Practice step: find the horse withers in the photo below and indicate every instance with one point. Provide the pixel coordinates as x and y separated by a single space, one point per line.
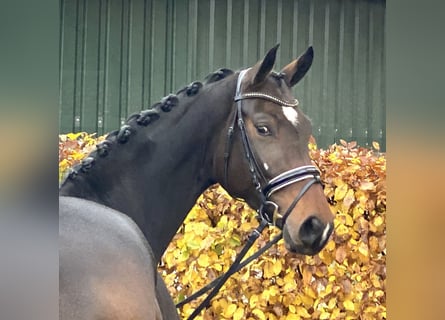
121 206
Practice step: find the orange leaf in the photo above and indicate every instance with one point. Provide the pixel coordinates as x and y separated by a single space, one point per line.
340 254
348 200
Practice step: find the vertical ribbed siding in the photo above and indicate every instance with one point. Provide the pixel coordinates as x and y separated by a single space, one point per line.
120 56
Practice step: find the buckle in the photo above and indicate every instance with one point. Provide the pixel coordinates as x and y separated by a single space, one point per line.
269 212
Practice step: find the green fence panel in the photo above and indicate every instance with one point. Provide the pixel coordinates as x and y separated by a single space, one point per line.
121 56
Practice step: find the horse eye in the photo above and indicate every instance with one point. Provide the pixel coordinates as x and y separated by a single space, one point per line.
263 130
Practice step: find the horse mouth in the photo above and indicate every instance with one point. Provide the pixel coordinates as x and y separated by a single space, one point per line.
309 250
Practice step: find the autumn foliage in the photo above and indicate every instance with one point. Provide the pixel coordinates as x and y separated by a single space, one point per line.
346 280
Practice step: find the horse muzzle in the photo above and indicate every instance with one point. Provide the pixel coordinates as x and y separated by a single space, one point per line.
308 236
311 237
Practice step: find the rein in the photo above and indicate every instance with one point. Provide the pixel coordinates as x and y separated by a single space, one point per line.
268 213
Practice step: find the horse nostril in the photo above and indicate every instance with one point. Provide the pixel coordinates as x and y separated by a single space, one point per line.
311 230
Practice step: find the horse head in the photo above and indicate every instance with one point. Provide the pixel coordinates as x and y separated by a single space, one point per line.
266 156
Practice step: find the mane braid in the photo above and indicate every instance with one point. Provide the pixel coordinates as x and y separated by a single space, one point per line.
111 134
133 116
142 118
218 75
190 90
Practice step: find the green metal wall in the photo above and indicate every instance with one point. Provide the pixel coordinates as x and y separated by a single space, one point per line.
120 56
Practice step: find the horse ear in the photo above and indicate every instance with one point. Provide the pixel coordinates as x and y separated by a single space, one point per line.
296 70
264 67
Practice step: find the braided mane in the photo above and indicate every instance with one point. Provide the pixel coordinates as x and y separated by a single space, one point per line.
143 118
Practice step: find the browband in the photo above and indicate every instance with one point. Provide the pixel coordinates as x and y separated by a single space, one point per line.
260 95
253 95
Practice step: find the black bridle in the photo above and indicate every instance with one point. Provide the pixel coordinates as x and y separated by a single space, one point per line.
268 210
268 213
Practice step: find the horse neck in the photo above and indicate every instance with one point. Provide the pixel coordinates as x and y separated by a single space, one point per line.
156 177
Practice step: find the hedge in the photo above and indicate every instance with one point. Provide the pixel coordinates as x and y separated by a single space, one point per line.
346 280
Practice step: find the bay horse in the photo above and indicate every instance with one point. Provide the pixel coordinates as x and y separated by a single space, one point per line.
121 206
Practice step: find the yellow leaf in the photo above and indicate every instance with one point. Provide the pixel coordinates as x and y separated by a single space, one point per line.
333 157
326 256
268 270
270 292
310 292
379 293
307 300
74 136
253 301
340 191
290 286
238 314
222 223
229 310
302 312
335 314
375 280
203 260
324 292
324 315
363 249
277 267
211 206
330 246
78 156
342 230
378 221
376 145
184 255
349 305
259 314
217 266
332 302
292 316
